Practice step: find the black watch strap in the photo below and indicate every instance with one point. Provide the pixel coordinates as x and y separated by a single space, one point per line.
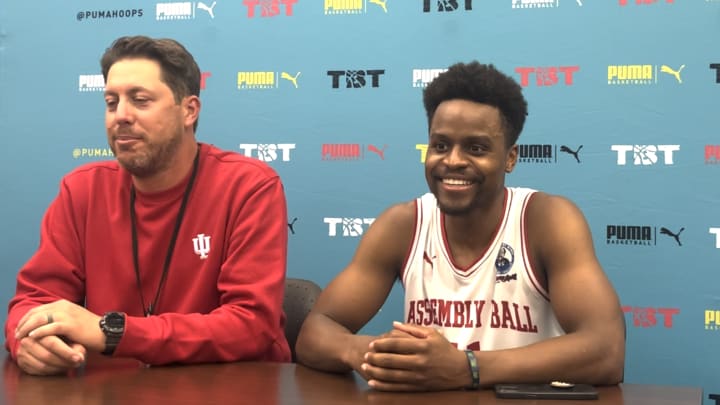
112 325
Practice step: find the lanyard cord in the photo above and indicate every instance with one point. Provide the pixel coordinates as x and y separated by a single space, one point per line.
149 310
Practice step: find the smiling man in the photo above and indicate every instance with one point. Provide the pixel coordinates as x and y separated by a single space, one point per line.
173 253
502 284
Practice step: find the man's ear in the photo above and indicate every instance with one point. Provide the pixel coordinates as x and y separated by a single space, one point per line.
512 156
191 109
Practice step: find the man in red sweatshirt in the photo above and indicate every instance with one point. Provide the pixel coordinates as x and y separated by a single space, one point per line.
173 253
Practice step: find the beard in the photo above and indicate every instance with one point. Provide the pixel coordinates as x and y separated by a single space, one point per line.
455 208
453 204
150 157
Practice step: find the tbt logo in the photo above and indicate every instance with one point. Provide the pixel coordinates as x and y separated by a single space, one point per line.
646 317
350 151
268 152
546 76
447 5
269 8
536 3
91 83
712 319
645 155
355 79
422 77
344 7
350 227
265 80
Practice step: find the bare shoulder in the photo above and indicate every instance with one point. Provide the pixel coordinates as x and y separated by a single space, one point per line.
395 222
400 216
389 237
548 210
558 233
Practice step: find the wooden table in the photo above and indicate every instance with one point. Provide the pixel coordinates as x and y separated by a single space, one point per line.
106 381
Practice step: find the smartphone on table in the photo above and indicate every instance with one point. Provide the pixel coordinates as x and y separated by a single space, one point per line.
554 390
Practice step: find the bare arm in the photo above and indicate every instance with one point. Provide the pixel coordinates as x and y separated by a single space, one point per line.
584 302
327 340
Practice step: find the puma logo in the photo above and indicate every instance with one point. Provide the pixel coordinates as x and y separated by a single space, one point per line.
293 79
667 69
380 152
203 6
668 232
566 149
380 3
291 224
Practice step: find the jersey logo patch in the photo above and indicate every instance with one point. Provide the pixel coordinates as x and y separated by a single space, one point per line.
504 260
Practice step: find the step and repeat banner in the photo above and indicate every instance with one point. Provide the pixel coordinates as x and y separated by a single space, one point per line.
622 98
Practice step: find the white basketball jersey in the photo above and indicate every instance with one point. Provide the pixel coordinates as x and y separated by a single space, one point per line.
496 303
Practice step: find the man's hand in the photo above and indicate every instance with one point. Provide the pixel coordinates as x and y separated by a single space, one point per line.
414 358
49 355
66 321
358 351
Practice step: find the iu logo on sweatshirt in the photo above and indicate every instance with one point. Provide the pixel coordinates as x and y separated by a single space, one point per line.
201 243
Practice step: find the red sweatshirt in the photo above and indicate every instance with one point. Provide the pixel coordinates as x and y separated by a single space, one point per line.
226 306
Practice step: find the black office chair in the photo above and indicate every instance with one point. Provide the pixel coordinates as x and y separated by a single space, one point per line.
300 296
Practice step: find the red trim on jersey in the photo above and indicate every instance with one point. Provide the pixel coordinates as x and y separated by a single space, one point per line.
493 241
529 269
427 258
411 249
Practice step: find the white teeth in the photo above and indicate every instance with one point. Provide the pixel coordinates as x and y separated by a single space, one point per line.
456 182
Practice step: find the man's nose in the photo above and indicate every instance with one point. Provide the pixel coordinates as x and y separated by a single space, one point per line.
123 112
455 157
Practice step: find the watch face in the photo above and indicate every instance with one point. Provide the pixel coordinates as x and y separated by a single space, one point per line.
114 322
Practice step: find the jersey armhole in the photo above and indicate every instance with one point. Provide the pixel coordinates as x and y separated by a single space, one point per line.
412 248
532 273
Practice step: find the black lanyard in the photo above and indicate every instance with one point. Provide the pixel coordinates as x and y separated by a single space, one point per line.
149 310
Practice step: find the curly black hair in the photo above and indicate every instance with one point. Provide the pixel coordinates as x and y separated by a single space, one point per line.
481 83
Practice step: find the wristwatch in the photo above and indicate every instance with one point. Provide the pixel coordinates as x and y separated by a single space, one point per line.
112 325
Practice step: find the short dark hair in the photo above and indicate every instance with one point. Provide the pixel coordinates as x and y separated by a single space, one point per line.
481 83
177 66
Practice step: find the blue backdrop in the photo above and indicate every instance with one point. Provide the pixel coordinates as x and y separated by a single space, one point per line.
621 96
